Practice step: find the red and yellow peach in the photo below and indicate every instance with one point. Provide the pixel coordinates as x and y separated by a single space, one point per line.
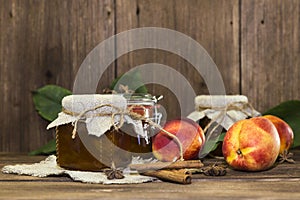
190 135
251 144
285 132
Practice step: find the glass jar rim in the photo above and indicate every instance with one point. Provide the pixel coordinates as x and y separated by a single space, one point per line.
139 97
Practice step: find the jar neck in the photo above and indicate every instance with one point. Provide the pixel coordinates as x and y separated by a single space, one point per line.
139 99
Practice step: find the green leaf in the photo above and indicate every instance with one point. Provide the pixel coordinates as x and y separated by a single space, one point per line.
221 137
47 100
133 80
219 140
289 111
212 144
48 149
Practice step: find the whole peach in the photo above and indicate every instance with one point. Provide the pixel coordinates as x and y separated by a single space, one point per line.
189 133
285 132
251 144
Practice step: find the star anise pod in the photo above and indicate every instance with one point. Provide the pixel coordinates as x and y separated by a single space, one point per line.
215 170
286 157
114 174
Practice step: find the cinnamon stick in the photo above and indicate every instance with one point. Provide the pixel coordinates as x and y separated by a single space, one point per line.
167 165
178 176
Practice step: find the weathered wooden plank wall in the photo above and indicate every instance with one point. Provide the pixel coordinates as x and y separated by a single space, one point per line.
43 42
214 24
255 44
270 50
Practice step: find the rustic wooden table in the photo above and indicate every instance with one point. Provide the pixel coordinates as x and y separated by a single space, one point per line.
281 182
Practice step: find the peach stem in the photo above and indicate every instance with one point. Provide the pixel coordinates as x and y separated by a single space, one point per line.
239 152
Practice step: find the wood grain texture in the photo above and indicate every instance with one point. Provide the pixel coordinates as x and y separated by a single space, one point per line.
214 24
203 189
281 182
270 52
255 45
43 42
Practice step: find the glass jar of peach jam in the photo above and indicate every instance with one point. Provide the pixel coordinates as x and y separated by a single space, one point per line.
116 146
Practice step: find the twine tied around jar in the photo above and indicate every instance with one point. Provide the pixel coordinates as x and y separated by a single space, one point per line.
121 113
237 106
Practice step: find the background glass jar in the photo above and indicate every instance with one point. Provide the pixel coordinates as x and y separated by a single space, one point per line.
146 106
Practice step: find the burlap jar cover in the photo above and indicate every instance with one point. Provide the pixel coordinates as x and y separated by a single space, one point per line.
97 121
225 110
